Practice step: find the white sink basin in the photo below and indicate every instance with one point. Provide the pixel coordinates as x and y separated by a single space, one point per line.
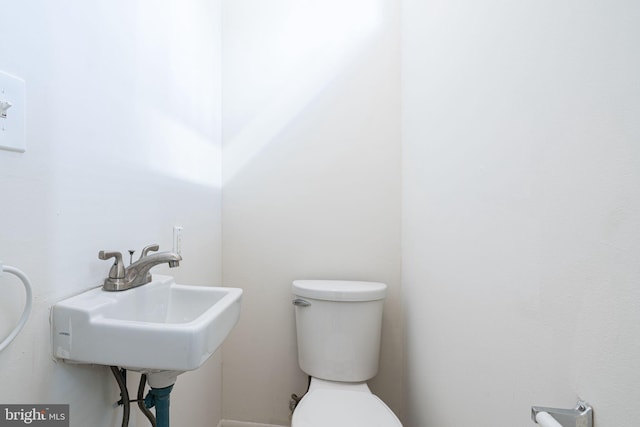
160 326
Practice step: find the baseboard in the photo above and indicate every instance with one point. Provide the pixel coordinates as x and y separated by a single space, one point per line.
232 423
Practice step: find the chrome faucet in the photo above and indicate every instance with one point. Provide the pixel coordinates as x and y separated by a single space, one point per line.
137 274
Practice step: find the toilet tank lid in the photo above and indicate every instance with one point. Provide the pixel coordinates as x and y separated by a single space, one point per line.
339 290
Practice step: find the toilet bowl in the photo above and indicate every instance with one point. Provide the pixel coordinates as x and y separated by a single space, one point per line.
338 331
333 404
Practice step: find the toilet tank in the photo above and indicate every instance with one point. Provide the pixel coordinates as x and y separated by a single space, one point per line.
338 327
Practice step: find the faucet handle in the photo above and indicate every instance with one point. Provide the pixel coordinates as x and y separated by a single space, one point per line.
117 269
154 247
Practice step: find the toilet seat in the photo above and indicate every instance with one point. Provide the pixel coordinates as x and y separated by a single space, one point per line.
343 408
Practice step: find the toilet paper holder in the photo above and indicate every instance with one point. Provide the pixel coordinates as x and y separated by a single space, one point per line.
580 416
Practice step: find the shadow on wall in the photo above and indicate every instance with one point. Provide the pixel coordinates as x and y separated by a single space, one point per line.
295 64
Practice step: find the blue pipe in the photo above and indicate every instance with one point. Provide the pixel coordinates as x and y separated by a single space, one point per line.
159 397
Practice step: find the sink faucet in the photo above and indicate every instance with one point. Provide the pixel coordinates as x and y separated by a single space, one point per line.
137 274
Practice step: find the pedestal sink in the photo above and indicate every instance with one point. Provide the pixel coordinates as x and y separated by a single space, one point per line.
161 328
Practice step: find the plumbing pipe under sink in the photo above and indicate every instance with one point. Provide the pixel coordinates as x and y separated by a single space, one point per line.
159 398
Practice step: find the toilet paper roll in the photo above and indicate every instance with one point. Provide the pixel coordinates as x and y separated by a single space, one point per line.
546 420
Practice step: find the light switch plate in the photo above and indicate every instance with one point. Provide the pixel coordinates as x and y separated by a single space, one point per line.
12 127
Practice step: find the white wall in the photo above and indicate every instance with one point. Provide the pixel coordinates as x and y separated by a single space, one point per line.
123 142
521 233
521 213
311 181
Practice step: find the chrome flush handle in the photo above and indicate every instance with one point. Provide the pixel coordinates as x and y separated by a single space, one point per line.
301 302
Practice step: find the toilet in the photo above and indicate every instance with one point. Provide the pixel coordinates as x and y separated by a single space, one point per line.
338 331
